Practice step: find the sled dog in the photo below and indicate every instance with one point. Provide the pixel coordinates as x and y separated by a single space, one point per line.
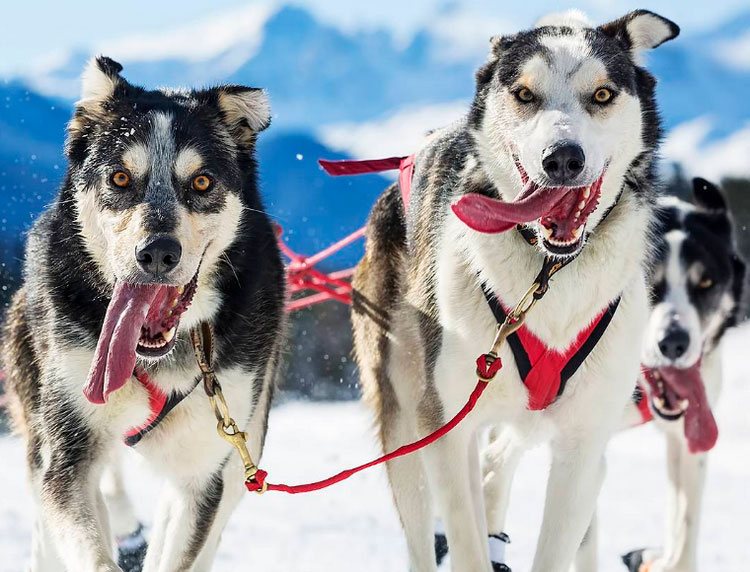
158 227
555 160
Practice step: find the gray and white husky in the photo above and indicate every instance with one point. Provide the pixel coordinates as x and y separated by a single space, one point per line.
564 129
158 226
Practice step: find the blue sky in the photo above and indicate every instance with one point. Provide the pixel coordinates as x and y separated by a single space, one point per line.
29 30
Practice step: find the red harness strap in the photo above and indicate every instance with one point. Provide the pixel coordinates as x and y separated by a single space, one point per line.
546 371
640 398
486 370
159 405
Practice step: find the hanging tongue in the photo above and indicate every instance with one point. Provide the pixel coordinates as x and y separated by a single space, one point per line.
114 359
701 431
485 214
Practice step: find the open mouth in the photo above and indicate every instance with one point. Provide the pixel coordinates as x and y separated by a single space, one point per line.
666 402
562 228
141 320
680 392
157 337
561 212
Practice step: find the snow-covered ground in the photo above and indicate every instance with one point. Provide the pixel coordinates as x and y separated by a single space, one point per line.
353 526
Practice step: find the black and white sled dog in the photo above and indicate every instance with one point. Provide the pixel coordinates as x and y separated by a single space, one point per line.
696 284
158 226
564 121
697 293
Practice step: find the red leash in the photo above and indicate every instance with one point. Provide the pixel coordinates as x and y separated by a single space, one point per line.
486 370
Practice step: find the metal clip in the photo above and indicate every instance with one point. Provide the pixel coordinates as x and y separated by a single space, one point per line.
515 318
230 432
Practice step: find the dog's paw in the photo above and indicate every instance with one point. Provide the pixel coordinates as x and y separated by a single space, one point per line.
131 550
441 547
645 560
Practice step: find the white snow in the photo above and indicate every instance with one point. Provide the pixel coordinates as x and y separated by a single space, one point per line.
353 526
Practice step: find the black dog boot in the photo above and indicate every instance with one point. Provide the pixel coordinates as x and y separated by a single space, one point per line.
441 547
634 560
131 550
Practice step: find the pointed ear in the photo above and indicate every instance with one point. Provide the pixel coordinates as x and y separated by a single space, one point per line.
99 81
708 197
641 30
246 111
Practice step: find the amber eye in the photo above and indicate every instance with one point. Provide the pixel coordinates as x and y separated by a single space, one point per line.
602 95
120 179
202 183
525 95
705 283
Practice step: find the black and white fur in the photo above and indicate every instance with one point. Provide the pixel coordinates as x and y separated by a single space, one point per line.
421 320
76 250
696 282
697 287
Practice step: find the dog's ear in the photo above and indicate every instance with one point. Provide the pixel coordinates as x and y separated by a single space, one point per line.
498 44
245 110
641 30
99 81
708 197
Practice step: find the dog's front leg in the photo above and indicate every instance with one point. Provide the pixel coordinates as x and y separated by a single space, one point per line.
686 473
575 479
71 503
191 516
453 470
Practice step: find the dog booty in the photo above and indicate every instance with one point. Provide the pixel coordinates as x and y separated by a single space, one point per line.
441 547
636 561
131 550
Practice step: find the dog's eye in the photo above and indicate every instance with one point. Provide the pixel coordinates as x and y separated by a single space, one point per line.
525 95
602 95
120 179
202 183
705 283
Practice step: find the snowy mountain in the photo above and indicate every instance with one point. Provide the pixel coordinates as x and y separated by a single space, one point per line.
358 93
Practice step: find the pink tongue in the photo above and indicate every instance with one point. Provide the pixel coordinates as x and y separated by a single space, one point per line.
115 353
701 431
485 214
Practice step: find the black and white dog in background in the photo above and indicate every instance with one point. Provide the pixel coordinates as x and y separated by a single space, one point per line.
564 129
696 283
697 289
158 226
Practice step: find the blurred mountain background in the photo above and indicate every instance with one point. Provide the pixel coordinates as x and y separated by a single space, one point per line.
350 91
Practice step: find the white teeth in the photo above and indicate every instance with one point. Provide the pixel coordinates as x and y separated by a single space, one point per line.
587 193
660 403
170 334
180 290
683 404
175 302
581 205
547 232
577 232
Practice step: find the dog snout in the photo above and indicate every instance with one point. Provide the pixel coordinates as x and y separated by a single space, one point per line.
159 255
674 343
564 162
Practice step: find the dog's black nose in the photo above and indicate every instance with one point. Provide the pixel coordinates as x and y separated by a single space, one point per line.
564 163
159 255
675 342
